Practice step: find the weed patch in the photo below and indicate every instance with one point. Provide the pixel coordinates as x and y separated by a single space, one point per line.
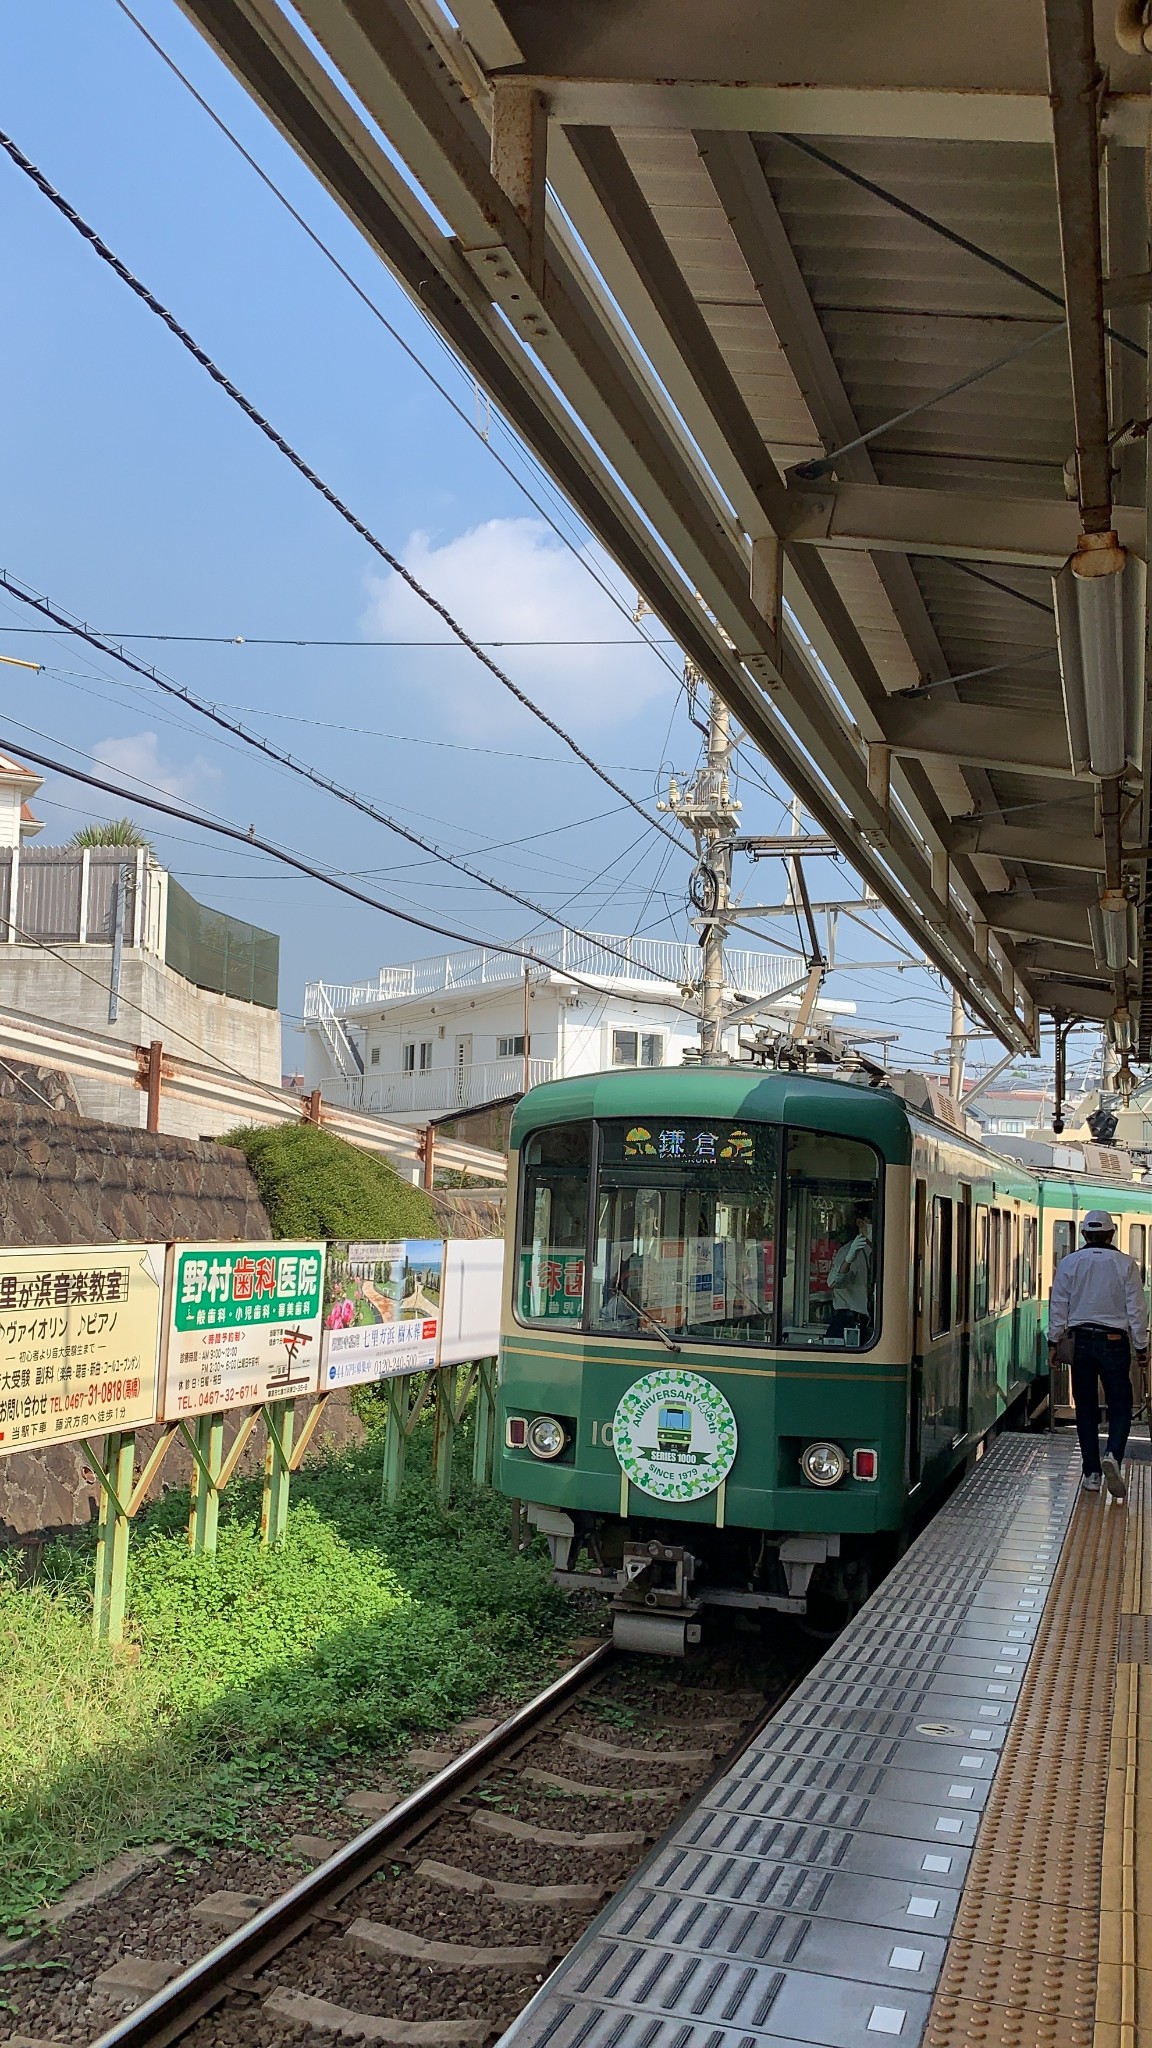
245 1673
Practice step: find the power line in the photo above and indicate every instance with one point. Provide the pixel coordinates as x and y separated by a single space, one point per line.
264 746
304 640
414 357
310 476
225 830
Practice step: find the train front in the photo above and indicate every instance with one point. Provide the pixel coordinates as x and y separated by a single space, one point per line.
703 1380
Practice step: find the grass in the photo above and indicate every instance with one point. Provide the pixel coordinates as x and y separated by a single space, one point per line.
366 1624
315 1185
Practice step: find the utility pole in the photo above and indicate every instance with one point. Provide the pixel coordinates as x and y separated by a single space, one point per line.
956 1049
707 808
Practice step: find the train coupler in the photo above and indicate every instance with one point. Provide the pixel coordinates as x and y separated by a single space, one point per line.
654 1610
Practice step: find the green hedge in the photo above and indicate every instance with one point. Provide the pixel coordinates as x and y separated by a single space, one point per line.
315 1185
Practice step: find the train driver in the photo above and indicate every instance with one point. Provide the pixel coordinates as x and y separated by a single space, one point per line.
850 1279
1098 1300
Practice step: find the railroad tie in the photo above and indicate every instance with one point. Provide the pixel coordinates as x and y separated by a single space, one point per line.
228 1909
375 1938
589 1745
511 1894
555 1838
576 1789
300 2009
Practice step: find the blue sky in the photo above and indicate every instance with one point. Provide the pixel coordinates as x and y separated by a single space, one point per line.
139 498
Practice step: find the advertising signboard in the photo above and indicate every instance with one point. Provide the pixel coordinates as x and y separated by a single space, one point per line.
79 1341
381 1311
473 1284
244 1326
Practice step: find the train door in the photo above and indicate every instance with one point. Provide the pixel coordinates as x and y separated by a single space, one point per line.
964 1303
919 1335
1017 1368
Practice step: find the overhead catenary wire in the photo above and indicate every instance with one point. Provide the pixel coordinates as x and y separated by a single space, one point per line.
304 469
265 746
640 638
226 830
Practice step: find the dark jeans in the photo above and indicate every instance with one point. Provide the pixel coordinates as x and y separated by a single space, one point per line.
1103 1355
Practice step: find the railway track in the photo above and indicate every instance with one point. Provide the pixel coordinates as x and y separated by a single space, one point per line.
435 1926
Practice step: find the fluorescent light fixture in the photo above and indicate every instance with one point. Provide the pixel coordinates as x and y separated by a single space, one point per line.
1113 928
1100 595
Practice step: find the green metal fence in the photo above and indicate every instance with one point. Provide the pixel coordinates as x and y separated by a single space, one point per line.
219 952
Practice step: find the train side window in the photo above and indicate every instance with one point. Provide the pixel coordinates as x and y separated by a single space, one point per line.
1061 1242
1138 1247
995 1260
555 1167
940 1291
830 1286
980 1276
1028 1259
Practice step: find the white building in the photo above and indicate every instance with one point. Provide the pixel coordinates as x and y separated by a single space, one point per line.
104 939
472 1027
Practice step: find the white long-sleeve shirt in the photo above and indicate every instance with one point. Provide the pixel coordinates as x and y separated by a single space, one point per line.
1098 1284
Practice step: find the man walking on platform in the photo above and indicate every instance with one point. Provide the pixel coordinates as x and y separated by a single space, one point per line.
1098 1299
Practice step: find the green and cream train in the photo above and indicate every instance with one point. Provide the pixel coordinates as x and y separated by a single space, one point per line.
755 1324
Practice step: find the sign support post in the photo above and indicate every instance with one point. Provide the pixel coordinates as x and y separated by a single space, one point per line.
484 1444
206 1442
114 1470
280 1423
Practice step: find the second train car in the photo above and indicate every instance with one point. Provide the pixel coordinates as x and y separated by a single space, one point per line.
754 1325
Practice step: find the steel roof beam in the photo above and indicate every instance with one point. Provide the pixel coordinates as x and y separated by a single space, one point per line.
1041 532
1061 844
1062 917
976 734
1054 993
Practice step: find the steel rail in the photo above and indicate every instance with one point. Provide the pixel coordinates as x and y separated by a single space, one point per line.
232 1964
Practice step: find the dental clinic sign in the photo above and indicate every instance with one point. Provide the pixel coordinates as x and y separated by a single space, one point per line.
243 1326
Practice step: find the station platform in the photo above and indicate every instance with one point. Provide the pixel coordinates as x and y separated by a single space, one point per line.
945 1835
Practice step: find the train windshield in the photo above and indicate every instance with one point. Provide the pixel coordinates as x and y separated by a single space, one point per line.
686 1230
712 1231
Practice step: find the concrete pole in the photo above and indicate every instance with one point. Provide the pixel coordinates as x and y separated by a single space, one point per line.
956 1049
716 856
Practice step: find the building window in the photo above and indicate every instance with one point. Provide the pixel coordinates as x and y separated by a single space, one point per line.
408 1059
511 1048
425 1055
637 1048
374 1056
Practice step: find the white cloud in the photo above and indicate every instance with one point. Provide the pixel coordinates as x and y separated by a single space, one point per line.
137 757
512 580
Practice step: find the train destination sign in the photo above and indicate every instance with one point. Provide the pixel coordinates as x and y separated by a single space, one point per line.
244 1326
674 1435
382 1307
684 1143
79 1341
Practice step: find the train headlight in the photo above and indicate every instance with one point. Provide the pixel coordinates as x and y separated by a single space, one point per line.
546 1438
823 1464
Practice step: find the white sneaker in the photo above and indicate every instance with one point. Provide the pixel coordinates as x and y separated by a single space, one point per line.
1090 1482
1117 1486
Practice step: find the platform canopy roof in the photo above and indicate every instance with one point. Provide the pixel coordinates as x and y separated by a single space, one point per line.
832 322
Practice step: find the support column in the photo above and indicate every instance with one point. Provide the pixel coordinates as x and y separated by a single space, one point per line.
280 1422
484 1445
114 1464
397 1401
207 1442
444 1431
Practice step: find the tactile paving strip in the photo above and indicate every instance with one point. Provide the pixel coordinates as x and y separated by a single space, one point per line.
1022 1967
809 1897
